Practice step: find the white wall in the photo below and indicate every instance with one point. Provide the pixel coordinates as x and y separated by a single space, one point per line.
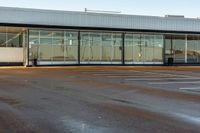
11 55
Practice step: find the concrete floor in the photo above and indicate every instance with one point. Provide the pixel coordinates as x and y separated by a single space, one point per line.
100 100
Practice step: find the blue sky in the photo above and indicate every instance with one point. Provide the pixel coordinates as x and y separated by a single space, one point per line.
189 8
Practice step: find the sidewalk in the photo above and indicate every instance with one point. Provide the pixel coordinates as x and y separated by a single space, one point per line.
182 68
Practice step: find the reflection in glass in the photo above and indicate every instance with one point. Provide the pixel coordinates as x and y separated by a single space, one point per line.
100 48
178 46
175 48
140 49
11 37
71 47
168 48
53 47
193 49
107 48
45 46
158 48
58 46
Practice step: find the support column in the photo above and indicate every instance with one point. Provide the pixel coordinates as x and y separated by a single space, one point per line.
186 46
79 47
27 47
123 49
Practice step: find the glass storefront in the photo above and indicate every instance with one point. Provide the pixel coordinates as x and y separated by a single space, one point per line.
182 48
101 48
65 47
143 49
53 47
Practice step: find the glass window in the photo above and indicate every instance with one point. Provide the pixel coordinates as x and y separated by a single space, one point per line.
34 33
95 47
2 39
168 47
107 50
193 49
34 41
175 48
11 37
158 48
71 47
101 48
53 47
45 46
85 48
58 46
147 46
143 49
14 40
128 48
117 48
178 44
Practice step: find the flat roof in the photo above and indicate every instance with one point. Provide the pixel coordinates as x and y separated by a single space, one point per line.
13 15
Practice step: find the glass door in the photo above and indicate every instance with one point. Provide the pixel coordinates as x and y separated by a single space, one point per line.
175 47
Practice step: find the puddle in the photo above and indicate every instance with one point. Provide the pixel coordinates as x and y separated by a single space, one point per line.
78 126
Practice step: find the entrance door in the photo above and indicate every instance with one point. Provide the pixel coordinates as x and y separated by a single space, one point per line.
175 48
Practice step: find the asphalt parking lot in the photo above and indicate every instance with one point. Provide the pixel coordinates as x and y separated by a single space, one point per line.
100 100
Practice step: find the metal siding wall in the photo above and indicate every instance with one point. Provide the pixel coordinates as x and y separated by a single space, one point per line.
65 18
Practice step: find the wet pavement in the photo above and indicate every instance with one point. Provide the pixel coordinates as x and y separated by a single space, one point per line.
100 100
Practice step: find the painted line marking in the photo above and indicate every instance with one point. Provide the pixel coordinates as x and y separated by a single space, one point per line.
110 74
155 73
153 79
115 75
95 71
135 76
175 82
190 88
162 78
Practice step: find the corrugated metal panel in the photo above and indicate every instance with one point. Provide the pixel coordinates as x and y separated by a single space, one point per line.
82 19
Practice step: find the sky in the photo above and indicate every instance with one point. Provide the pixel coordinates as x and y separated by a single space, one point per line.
188 8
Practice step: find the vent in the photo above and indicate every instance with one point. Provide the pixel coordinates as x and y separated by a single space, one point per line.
174 16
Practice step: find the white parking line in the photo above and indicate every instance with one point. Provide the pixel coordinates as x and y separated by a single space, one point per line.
135 76
190 88
165 74
109 74
163 78
174 82
143 79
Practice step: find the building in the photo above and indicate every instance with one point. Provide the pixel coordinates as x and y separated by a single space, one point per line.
51 37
